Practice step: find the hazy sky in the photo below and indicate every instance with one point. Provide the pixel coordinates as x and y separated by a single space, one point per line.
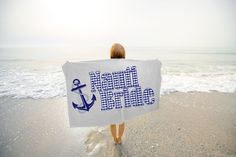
130 22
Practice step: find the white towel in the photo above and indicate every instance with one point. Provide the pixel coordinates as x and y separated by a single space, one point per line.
111 91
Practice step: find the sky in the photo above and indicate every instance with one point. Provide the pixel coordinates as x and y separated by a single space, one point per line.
130 22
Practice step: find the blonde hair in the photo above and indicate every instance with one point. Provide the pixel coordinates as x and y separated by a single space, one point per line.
117 51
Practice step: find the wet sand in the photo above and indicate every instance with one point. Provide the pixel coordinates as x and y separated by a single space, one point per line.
186 124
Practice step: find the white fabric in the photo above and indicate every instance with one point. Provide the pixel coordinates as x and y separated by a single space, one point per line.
111 91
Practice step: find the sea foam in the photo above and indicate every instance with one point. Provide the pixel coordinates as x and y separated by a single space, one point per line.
45 80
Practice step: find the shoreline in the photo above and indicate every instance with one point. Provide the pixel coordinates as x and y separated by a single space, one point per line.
186 124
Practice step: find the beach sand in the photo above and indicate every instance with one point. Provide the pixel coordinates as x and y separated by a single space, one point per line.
186 124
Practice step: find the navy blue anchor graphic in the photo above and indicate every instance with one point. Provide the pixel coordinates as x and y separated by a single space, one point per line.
86 106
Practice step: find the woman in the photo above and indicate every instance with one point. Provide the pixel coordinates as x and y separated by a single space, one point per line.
117 51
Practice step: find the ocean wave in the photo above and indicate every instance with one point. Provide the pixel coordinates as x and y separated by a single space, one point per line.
48 81
187 83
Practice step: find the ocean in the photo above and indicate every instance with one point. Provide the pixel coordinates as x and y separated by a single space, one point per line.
36 72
